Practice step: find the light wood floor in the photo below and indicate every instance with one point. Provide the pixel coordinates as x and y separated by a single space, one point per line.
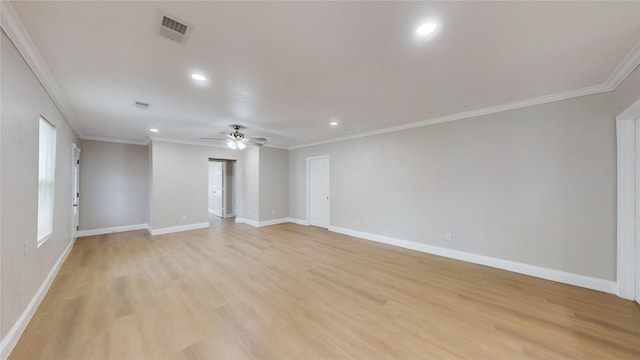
295 292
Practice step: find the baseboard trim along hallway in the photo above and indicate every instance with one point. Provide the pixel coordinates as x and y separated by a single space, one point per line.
584 281
109 230
173 229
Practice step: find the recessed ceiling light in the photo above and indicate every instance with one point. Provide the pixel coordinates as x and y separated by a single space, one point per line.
198 77
153 130
426 29
333 123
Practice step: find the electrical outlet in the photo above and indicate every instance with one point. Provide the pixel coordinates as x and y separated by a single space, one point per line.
358 221
184 217
449 237
273 212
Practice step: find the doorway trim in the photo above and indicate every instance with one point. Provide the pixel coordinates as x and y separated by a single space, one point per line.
628 239
223 187
308 193
75 191
229 205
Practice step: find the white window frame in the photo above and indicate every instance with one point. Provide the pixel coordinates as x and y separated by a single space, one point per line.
46 178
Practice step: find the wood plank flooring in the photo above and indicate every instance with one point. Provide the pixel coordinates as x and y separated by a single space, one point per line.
294 292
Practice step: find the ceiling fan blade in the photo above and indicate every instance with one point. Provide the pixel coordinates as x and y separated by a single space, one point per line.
208 138
255 143
257 139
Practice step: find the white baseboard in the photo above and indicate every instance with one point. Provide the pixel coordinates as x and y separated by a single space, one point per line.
229 215
246 221
12 337
273 222
210 211
262 223
584 281
110 230
298 221
173 229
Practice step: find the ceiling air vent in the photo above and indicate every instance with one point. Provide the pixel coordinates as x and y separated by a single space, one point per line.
142 105
173 29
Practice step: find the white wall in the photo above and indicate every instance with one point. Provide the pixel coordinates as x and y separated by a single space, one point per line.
248 184
231 188
179 183
114 180
23 266
274 183
534 185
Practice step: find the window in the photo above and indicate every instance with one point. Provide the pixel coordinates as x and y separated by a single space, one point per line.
46 176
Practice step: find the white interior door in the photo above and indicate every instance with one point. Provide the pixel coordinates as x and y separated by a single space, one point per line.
216 188
75 190
318 200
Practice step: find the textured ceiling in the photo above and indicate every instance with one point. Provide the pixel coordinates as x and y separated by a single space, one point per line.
284 69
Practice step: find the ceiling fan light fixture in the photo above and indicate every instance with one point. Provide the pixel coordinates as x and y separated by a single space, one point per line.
236 140
236 144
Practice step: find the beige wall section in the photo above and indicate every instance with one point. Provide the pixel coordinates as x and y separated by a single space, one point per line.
179 183
230 174
113 184
248 184
23 101
628 92
274 184
534 185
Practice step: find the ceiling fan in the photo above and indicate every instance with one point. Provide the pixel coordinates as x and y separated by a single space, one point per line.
237 140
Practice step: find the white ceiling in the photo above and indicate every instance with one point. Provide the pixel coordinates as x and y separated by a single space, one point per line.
284 69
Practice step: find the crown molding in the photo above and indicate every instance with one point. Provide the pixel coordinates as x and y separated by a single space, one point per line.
221 146
12 26
275 146
628 64
113 140
470 114
184 142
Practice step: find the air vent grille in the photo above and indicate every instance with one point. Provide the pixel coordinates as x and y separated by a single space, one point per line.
142 105
174 25
173 29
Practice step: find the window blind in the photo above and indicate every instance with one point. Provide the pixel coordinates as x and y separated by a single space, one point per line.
46 179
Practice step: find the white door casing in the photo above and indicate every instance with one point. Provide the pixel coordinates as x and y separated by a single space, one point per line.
230 208
75 190
318 191
628 208
223 189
